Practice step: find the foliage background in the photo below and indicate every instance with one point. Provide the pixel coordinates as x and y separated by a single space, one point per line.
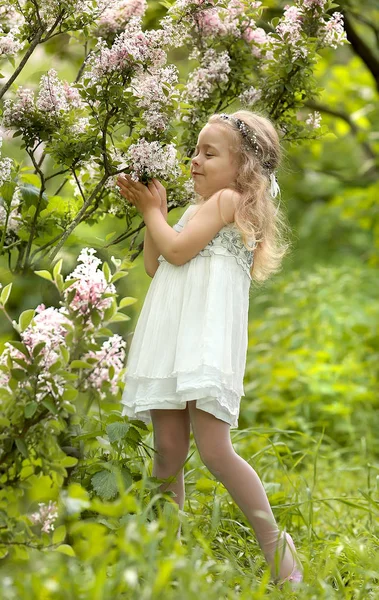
310 415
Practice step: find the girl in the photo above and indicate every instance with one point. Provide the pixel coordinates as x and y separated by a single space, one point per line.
188 353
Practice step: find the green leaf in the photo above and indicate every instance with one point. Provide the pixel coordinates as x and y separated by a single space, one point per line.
44 274
119 317
118 276
80 364
59 534
68 283
117 431
69 461
66 549
26 318
5 294
49 404
20 346
57 267
107 272
22 447
105 485
127 301
30 409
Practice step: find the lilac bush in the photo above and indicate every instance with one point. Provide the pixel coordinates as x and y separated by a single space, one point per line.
129 110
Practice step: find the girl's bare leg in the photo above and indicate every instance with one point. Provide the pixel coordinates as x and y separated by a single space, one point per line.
213 441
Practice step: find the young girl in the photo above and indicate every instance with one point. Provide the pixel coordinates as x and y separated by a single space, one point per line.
188 353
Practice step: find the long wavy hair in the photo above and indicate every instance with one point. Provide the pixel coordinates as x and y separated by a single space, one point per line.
258 216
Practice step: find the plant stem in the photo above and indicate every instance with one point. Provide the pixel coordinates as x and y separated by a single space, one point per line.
29 52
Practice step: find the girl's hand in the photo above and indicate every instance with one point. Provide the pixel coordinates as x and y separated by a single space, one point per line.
141 196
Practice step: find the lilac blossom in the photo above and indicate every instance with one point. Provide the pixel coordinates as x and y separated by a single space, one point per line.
48 326
151 159
202 81
56 96
46 516
314 119
209 23
257 37
332 31
111 354
290 30
92 285
9 44
14 219
130 48
155 92
114 17
250 96
314 3
20 111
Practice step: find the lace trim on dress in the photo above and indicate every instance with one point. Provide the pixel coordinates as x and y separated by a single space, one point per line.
230 239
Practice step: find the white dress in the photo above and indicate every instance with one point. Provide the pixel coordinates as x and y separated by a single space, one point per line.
190 340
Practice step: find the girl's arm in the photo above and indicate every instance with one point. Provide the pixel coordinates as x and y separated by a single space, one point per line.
150 251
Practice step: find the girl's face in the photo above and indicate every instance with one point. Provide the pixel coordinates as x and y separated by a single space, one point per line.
213 165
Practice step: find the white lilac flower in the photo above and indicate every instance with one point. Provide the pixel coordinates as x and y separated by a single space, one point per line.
9 44
14 219
47 326
202 81
290 29
92 285
130 48
111 354
250 96
45 516
155 92
314 119
19 111
314 3
55 95
332 32
257 37
151 159
209 23
5 169
114 17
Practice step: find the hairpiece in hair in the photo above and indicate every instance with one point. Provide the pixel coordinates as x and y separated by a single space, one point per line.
251 138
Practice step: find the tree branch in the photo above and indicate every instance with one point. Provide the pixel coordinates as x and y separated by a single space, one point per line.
347 118
361 48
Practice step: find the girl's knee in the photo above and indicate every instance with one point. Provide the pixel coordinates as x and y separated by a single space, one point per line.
216 459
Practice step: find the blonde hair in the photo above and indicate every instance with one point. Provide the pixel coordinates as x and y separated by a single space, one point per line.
257 216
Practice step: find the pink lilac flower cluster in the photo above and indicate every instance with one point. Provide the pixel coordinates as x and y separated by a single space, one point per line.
91 284
47 326
202 81
289 29
55 96
130 48
314 3
250 96
257 37
46 515
20 111
151 159
6 165
113 18
314 119
9 44
155 92
332 31
14 218
111 354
